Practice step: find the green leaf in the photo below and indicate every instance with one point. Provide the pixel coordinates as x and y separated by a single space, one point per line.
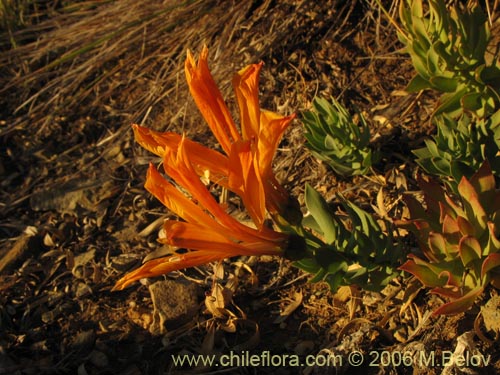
472 101
459 169
419 62
450 103
330 259
444 84
319 209
309 222
310 265
422 153
334 137
420 31
488 75
433 62
422 271
334 281
320 275
418 83
469 250
359 217
417 9
441 165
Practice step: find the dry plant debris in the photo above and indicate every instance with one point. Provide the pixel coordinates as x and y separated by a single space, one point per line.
74 215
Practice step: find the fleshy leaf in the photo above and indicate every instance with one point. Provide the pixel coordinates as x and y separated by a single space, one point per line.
422 271
484 184
444 84
437 245
493 242
492 261
417 83
320 211
450 225
472 205
464 226
469 249
460 304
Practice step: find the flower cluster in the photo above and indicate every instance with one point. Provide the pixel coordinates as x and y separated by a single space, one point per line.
244 168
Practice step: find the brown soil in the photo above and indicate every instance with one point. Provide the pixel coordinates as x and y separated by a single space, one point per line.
74 216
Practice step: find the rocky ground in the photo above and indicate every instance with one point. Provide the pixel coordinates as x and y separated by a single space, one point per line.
74 215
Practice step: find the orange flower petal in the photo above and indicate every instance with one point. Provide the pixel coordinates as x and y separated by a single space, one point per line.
208 98
203 158
272 127
244 177
179 168
155 142
162 266
246 87
209 230
196 237
175 200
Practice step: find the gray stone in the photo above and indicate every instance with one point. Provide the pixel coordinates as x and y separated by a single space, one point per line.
175 302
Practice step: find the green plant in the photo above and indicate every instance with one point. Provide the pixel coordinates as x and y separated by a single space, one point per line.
460 147
458 236
355 251
448 47
333 136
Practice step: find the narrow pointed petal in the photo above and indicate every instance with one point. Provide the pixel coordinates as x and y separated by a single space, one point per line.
209 101
271 131
203 158
246 87
243 177
162 266
209 231
180 169
272 127
155 142
196 237
175 200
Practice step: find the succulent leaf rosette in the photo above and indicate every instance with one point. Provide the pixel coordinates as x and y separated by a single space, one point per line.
447 46
353 250
459 238
334 137
460 147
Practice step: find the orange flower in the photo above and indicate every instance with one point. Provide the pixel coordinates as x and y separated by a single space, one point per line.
246 169
209 232
261 131
202 158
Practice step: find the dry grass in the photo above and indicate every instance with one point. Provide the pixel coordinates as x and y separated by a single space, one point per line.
114 63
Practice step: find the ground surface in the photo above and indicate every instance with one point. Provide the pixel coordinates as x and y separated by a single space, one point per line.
74 215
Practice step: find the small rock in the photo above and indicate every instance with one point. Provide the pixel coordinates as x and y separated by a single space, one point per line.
175 302
491 314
